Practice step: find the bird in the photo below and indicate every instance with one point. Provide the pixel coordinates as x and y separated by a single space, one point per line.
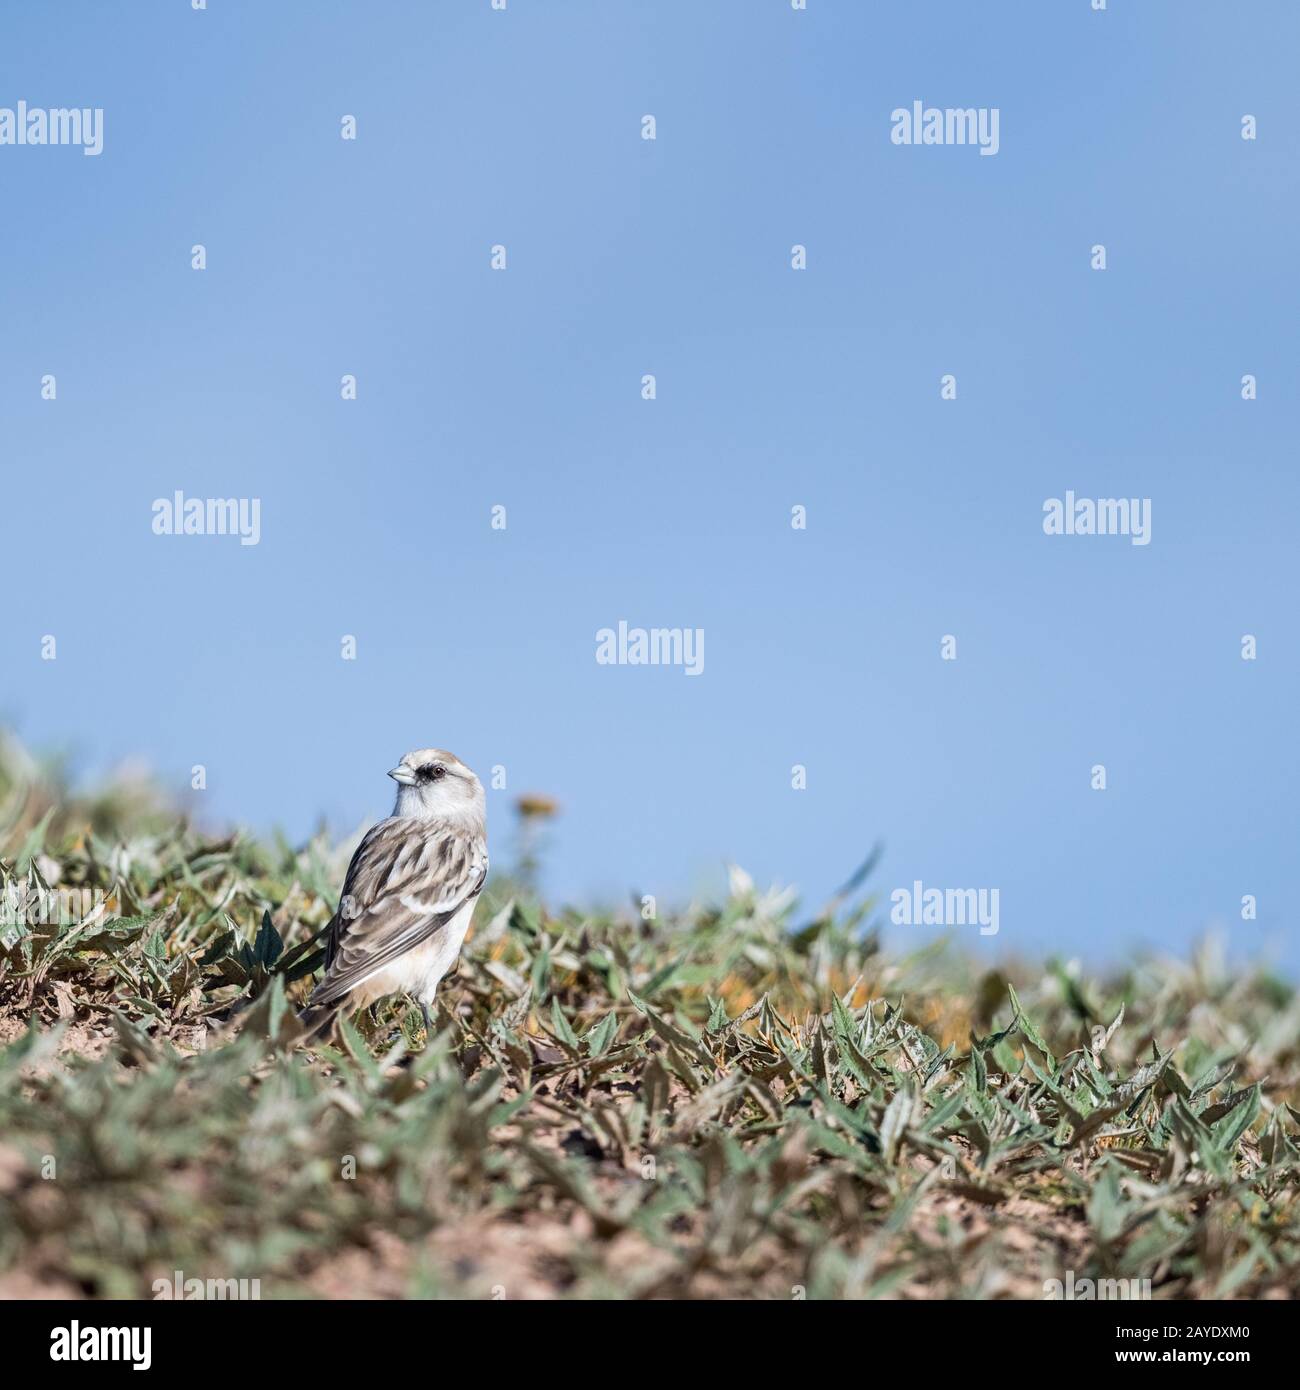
408 896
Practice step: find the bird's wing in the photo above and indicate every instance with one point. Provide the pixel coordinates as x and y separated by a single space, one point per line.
407 880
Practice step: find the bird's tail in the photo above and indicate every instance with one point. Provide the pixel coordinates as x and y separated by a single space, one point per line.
318 1023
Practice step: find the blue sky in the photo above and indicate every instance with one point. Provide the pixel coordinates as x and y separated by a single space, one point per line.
774 388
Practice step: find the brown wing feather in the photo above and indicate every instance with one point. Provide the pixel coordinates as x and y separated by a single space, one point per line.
407 880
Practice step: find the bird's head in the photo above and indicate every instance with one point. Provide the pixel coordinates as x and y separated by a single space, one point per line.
435 784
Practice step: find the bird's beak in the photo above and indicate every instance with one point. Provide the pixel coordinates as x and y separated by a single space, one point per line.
403 774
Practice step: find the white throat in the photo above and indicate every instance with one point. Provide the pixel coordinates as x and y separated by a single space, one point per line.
430 803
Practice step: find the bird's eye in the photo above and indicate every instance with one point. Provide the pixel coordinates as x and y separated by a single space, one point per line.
435 772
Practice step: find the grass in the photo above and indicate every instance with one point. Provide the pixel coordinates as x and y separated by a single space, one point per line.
738 1100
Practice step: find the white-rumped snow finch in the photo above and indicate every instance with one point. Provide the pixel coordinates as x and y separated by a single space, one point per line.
409 893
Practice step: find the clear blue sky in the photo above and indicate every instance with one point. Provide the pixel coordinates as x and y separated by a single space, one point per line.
775 387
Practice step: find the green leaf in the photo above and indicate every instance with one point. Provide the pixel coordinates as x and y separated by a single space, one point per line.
268 1015
35 841
526 920
1238 1120
218 947
599 1037
1027 1029
661 976
304 967
267 945
563 1030
898 1114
